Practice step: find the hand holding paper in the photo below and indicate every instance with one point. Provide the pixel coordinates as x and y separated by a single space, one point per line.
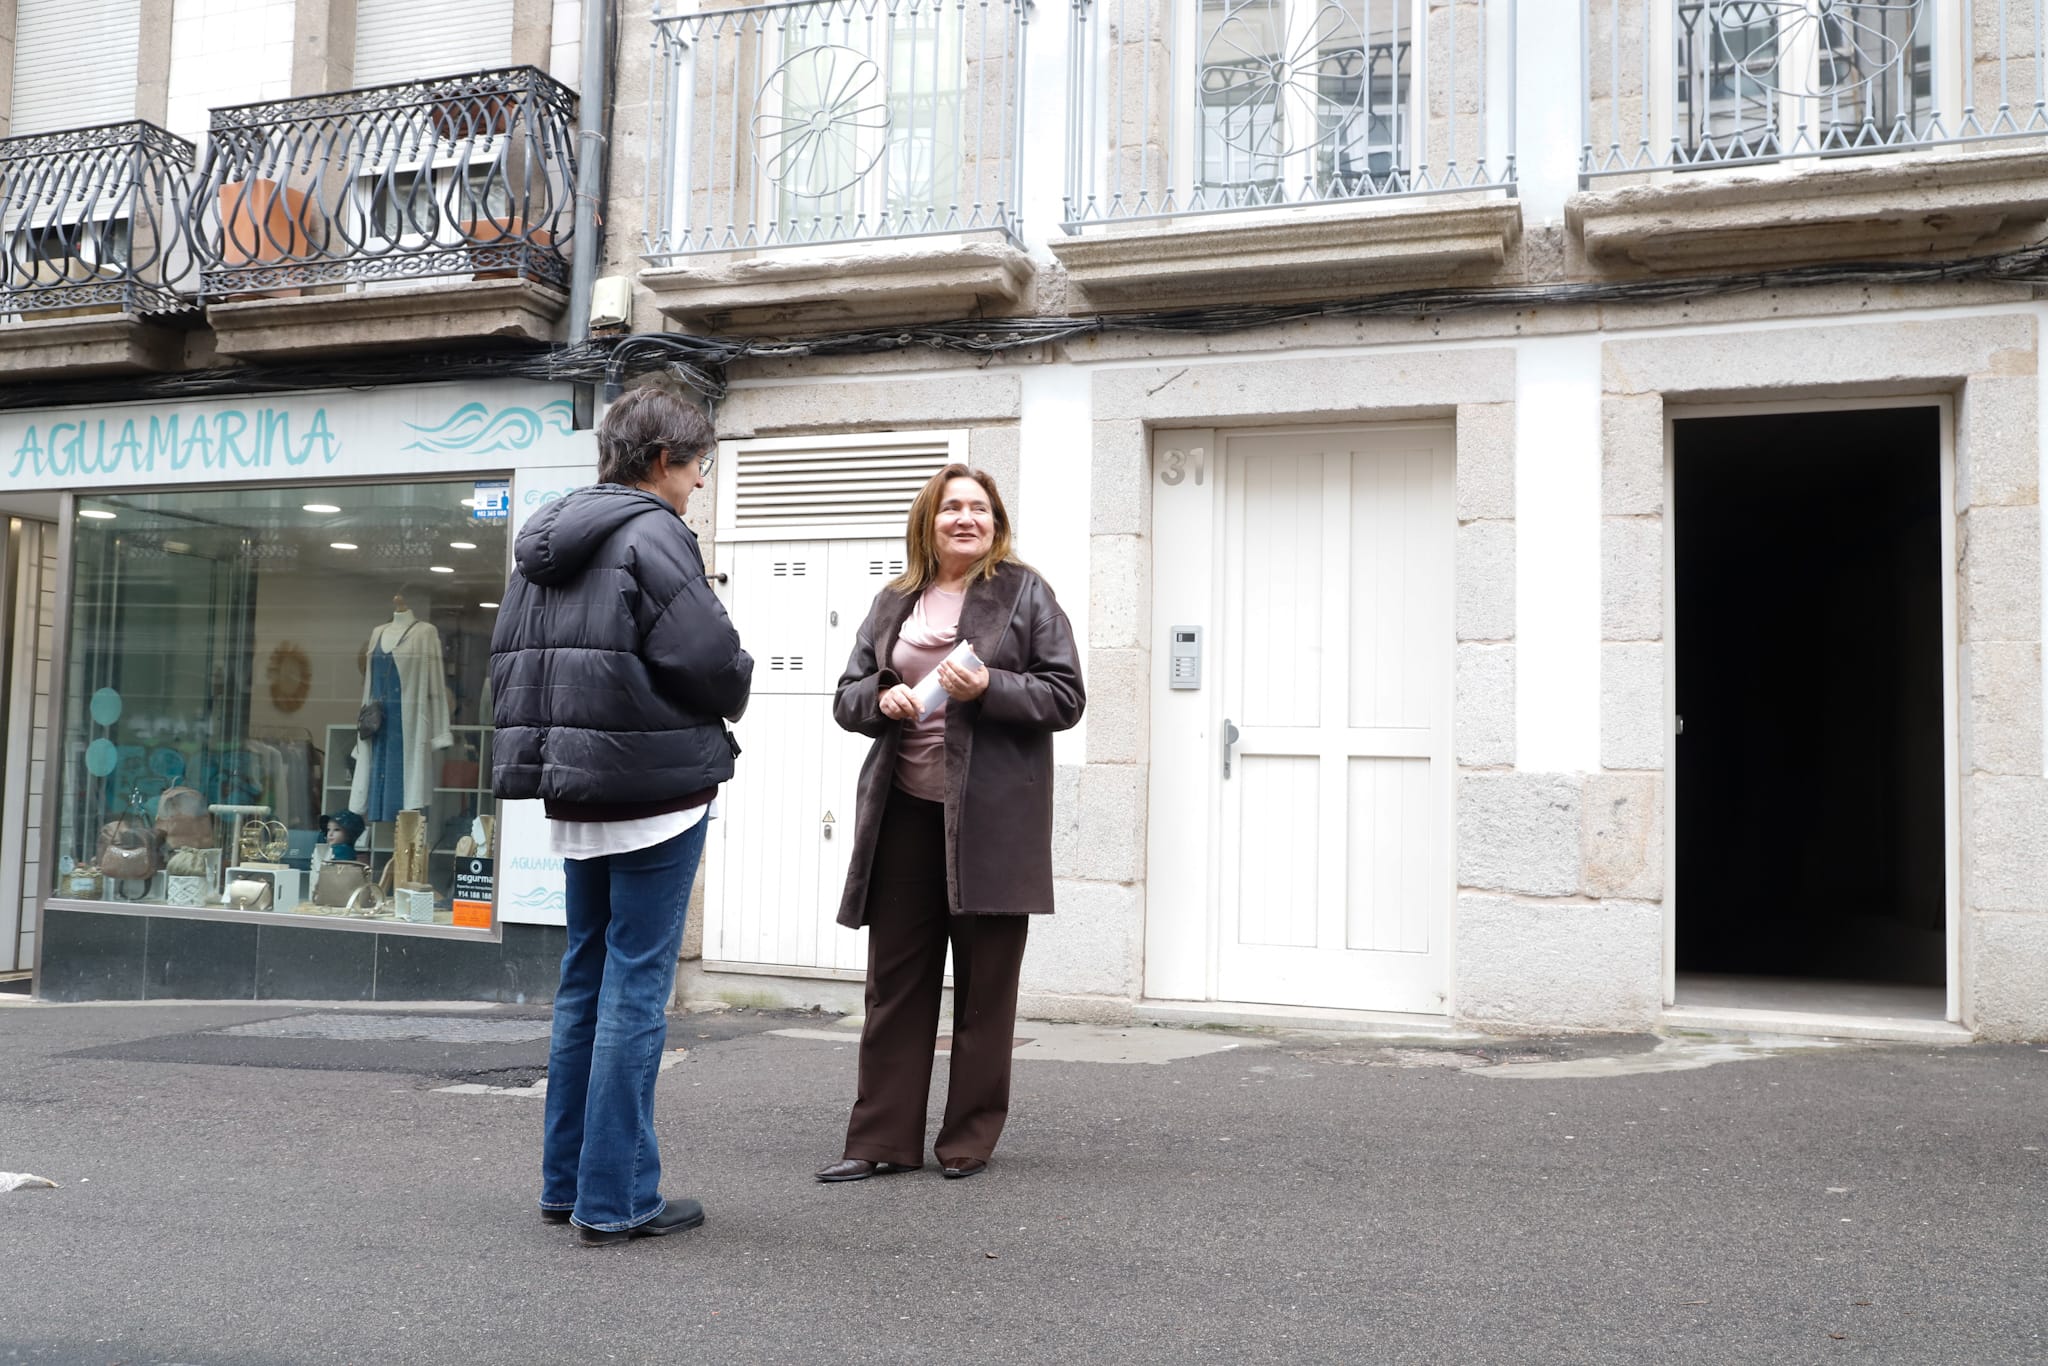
931 690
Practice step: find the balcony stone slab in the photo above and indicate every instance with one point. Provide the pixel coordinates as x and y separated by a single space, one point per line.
1844 210
1315 253
431 313
874 283
93 344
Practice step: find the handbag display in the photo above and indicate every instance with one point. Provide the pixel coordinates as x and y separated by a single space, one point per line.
341 880
127 851
183 820
370 720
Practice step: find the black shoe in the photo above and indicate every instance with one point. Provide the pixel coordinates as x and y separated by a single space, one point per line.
680 1215
965 1167
853 1169
554 1216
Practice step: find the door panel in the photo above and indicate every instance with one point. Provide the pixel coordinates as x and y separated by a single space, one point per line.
775 870
1334 659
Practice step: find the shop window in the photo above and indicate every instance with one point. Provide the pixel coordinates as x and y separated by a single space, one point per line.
262 682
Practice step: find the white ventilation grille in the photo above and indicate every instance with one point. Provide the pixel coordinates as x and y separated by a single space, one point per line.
884 569
827 487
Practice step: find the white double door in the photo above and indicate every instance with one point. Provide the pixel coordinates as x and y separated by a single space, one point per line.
1300 841
776 863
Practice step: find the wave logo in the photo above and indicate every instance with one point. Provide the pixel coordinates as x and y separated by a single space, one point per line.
474 429
541 899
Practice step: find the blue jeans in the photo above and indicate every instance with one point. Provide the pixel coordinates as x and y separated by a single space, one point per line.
599 1157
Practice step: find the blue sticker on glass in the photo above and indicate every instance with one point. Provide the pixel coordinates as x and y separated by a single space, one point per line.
106 707
102 757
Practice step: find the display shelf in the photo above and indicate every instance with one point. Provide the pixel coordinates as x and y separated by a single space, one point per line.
448 802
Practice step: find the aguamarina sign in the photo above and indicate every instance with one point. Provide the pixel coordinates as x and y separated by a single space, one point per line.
329 434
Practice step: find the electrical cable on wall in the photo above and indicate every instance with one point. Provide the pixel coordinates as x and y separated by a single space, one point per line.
699 363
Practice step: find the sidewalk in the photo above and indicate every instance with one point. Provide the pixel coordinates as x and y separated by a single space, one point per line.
266 1184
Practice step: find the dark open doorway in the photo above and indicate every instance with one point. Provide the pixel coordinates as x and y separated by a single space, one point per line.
1811 806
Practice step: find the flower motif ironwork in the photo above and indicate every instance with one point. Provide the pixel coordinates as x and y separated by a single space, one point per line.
1272 91
824 121
1855 41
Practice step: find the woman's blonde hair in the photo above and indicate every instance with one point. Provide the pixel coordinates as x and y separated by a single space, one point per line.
921 552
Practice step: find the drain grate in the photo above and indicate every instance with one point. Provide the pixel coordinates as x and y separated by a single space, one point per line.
353 1027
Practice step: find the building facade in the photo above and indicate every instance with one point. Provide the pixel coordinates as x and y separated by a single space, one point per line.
1550 493
268 266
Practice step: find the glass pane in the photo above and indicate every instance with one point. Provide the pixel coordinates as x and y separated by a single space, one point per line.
1766 78
1301 99
277 700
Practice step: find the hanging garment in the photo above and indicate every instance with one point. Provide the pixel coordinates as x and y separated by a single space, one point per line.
416 723
386 797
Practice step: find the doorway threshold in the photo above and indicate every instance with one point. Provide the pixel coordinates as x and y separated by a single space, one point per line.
1815 1007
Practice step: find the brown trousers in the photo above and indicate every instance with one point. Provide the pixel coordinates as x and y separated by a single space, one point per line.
909 927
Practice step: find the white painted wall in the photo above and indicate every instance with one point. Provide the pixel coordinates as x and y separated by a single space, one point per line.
2041 436
226 52
1549 112
1056 435
1557 555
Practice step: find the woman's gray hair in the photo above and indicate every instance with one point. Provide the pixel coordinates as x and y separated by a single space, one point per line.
642 424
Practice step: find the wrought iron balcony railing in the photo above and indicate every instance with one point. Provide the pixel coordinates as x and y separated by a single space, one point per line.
1678 86
95 218
462 175
832 120
1205 106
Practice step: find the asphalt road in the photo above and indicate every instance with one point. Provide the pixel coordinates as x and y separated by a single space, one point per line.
261 1198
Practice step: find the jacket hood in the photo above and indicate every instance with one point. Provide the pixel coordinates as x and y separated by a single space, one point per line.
563 536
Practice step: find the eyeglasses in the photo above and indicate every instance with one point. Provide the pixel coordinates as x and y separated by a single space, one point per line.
705 459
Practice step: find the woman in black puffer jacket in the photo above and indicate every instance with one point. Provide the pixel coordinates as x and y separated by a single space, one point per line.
614 669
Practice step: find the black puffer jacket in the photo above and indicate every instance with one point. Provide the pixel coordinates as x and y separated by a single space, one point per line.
612 666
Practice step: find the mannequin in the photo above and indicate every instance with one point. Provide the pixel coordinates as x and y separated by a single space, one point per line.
396 767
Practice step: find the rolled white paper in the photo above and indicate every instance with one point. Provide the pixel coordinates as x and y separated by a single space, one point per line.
929 692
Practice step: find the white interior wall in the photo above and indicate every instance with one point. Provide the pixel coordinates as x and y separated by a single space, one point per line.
226 52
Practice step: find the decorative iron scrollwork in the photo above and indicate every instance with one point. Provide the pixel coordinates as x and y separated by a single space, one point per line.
824 121
1852 42
1277 93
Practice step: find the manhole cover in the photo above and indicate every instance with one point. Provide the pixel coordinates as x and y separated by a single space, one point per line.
432 1028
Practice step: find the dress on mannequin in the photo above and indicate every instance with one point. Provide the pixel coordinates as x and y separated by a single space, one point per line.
395 769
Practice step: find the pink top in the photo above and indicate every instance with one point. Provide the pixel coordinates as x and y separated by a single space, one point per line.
928 636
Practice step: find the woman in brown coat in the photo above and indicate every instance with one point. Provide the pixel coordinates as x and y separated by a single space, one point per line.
953 828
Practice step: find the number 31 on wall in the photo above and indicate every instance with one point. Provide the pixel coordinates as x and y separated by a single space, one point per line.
1175 466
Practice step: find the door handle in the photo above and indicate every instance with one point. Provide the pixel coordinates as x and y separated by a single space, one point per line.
1230 734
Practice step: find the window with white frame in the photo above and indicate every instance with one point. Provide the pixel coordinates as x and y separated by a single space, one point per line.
860 123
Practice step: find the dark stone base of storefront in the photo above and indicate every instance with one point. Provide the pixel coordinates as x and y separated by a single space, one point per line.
117 956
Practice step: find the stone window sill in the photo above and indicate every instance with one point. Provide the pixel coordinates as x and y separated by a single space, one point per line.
92 343
854 285
1291 256
291 325
1843 210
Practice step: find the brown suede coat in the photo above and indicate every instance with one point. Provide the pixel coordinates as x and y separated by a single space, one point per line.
998 747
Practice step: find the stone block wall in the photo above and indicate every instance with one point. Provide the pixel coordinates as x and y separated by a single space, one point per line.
1988 364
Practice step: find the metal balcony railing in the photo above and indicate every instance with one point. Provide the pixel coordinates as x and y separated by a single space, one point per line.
1683 84
462 175
1206 106
95 218
833 120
